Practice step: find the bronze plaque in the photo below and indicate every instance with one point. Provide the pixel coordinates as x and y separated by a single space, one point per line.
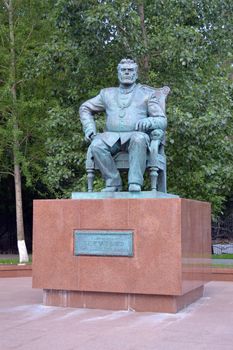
103 243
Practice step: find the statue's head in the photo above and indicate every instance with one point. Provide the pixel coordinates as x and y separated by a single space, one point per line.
127 71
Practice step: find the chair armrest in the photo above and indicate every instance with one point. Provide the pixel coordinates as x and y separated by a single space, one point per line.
157 134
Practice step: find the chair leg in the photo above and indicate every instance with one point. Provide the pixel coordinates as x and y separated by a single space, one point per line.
162 181
90 179
153 178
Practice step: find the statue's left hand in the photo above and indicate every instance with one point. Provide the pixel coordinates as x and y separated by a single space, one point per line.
143 125
89 135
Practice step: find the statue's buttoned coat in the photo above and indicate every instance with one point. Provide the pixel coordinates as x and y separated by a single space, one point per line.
121 120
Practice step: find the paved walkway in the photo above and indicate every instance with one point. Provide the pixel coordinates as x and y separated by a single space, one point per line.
222 262
25 324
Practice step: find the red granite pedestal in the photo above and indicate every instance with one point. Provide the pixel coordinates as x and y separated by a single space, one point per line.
166 272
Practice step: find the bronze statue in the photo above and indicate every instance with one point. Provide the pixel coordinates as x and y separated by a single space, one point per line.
132 113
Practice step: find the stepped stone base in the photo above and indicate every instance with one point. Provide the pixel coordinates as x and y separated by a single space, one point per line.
115 301
171 246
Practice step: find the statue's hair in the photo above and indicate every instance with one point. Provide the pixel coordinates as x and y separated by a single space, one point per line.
127 61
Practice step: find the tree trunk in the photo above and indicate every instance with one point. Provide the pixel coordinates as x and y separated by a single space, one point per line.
145 62
23 255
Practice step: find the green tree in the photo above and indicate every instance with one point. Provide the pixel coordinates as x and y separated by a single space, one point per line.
23 27
188 47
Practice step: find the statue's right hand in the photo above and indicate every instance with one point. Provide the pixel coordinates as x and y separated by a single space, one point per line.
143 125
89 135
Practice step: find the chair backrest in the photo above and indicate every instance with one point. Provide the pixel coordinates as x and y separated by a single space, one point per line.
161 94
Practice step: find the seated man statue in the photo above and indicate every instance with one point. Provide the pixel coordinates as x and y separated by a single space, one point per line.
132 112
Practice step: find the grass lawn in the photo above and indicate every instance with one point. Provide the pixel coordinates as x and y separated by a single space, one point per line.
13 261
222 256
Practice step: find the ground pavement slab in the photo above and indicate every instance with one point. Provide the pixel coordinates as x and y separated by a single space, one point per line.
25 324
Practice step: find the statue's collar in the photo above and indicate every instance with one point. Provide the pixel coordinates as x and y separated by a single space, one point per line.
125 90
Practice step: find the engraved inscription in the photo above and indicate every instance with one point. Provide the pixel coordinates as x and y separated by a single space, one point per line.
105 243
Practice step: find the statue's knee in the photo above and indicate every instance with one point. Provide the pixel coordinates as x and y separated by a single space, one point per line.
98 146
96 143
138 139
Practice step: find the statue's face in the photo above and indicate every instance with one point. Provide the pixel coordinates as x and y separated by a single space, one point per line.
127 74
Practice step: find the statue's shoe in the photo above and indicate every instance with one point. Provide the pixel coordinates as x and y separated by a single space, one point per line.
112 189
134 188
